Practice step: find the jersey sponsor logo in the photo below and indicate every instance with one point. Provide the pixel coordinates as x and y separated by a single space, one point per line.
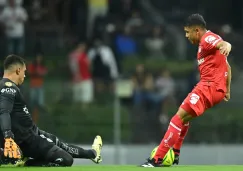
8 91
210 39
8 84
200 61
194 98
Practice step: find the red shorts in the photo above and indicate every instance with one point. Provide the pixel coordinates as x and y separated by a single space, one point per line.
201 98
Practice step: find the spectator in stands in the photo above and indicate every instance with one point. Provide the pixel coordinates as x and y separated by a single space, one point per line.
37 71
135 20
13 17
97 8
82 80
105 70
126 44
18 2
126 7
37 11
3 3
155 43
143 84
152 99
164 95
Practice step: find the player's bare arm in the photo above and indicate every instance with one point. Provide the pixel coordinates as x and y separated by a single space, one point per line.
224 47
227 95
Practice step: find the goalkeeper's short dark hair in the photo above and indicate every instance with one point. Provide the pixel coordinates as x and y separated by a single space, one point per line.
12 60
195 20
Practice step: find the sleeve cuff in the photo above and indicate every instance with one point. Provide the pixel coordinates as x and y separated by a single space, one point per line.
8 134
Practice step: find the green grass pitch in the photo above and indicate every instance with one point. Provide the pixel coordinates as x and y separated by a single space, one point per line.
128 168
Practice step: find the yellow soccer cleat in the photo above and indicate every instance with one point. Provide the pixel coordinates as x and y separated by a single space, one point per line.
97 146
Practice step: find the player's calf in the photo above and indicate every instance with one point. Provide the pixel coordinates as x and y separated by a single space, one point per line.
73 150
177 146
77 152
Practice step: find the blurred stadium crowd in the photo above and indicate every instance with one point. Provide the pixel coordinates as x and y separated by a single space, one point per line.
79 50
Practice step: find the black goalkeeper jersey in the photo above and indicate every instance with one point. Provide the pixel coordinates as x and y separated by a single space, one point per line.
14 114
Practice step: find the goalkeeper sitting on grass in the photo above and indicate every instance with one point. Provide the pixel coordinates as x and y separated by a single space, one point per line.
21 138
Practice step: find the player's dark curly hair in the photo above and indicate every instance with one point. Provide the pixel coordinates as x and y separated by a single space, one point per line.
12 60
195 20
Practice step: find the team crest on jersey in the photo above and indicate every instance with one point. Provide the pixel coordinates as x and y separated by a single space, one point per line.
8 84
210 39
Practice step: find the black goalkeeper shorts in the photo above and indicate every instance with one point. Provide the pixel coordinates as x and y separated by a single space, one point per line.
36 147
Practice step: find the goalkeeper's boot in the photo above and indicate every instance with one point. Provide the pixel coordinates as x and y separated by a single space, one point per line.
97 147
21 162
152 163
177 154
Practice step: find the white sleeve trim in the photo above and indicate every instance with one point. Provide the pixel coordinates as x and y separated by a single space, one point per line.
214 43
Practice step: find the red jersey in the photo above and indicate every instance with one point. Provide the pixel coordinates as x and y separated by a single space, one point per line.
212 64
84 66
37 73
79 64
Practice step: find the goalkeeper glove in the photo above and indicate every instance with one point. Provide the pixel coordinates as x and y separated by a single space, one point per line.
11 149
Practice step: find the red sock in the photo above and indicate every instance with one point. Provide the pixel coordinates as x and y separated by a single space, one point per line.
171 137
179 143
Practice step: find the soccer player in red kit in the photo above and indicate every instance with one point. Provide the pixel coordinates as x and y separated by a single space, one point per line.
213 87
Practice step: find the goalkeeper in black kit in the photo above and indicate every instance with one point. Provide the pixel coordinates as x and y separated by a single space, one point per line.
21 138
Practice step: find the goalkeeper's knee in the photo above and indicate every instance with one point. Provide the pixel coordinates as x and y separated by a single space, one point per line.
59 156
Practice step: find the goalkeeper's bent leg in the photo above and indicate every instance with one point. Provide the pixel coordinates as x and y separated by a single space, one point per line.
77 152
56 157
73 150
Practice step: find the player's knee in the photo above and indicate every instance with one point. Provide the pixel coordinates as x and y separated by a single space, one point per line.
63 158
67 159
184 115
60 157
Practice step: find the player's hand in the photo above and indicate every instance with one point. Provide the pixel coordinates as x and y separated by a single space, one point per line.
227 96
225 49
11 149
